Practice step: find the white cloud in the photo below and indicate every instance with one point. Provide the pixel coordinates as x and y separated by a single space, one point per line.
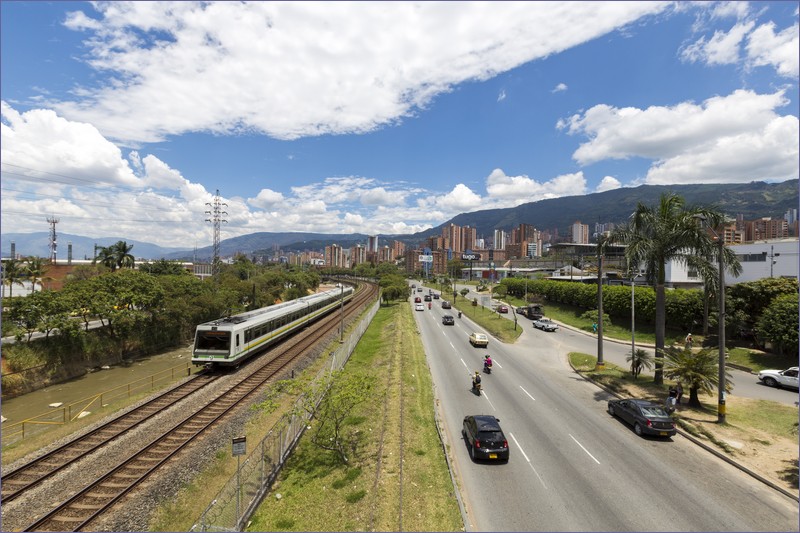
688 131
460 199
560 87
721 49
356 66
608 183
501 96
781 51
266 199
509 191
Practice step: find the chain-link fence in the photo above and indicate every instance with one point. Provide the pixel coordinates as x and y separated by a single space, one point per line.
242 494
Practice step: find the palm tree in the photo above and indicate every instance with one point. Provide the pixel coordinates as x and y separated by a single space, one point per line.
699 370
13 274
105 256
639 360
122 256
35 269
669 232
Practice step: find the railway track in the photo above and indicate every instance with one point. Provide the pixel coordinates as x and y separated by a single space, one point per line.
96 499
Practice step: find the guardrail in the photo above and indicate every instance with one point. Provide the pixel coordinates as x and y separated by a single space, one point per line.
69 413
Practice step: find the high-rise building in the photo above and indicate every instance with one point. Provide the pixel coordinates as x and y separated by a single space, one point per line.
580 233
372 243
334 256
766 228
451 235
469 236
358 255
500 238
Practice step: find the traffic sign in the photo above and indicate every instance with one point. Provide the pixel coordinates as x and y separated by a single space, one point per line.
426 259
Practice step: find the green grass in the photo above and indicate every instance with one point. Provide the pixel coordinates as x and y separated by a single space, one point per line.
756 360
500 327
320 494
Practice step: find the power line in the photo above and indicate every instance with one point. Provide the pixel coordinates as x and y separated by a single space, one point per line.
216 213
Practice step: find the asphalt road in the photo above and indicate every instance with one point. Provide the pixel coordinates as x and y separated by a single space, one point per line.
745 384
573 467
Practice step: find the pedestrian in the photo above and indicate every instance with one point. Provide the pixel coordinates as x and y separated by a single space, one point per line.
689 341
679 395
594 327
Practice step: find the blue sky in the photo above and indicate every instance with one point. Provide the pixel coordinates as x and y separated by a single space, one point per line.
123 119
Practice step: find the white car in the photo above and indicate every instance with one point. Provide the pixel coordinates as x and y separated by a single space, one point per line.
780 378
545 324
420 307
478 339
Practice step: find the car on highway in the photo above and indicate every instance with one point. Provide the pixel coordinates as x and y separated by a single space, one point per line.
419 289
646 417
435 296
545 324
427 298
780 378
502 309
484 438
446 305
448 320
417 300
478 339
420 307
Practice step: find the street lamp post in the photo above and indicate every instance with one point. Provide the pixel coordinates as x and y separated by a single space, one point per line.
633 313
721 319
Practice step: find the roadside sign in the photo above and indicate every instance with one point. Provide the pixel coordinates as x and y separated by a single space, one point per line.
426 259
239 446
471 257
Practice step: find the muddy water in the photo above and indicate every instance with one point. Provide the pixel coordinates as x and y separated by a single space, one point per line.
139 374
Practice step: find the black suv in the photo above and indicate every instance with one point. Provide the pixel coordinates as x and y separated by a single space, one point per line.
427 298
448 320
446 304
484 438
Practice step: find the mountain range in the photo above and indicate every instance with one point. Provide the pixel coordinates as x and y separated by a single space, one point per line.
751 200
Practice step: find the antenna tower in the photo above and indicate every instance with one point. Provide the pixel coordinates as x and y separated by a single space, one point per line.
53 241
216 213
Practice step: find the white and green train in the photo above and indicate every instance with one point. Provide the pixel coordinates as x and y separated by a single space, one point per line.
231 340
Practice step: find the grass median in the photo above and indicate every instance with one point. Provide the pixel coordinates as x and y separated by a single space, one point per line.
398 479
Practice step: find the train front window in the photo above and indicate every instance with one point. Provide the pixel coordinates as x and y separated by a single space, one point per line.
218 341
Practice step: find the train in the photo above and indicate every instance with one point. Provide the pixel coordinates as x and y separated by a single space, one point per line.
228 341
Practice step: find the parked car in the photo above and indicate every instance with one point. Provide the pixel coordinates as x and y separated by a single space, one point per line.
780 378
448 320
646 417
545 324
484 438
427 297
502 309
420 307
478 339
417 300
446 305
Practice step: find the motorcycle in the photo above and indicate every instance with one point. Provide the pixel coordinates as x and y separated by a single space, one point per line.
487 367
476 386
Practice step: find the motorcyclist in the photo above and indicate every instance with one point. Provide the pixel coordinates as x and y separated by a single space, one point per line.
487 363
476 381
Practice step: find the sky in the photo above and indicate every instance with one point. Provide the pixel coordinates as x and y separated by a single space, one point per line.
125 119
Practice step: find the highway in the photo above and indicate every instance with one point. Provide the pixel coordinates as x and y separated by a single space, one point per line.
573 467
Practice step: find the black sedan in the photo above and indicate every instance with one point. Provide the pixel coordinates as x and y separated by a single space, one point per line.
448 320
484 438
446 304
646 417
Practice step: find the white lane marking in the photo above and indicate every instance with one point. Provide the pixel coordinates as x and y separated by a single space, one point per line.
527 459
483 393
584 449
465 366
528 393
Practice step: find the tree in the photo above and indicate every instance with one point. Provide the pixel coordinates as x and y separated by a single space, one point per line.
778 324
639 360
35 269
13 274
105 256
341 393
669 232
162 267
122 256
698 370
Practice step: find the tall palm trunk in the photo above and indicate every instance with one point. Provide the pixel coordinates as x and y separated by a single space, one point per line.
661 319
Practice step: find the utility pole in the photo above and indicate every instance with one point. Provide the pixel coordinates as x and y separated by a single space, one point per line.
216 213
772 256
53 240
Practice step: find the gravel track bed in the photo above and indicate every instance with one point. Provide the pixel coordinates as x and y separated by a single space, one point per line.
134 511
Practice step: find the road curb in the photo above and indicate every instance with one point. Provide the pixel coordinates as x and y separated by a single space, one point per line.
703 445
